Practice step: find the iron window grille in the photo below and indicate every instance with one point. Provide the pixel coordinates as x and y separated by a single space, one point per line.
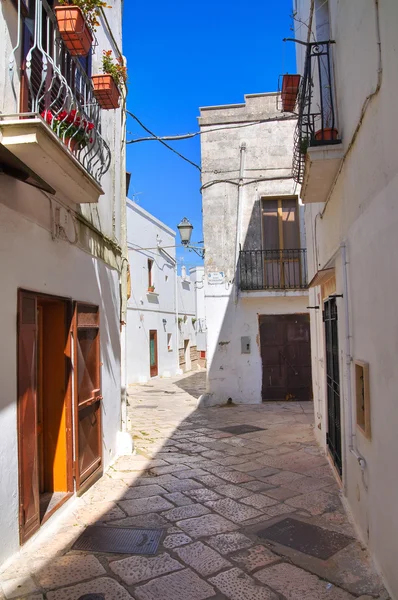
273 269
317 122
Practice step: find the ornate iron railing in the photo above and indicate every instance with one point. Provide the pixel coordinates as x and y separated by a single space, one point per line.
317 122
273 269
55 86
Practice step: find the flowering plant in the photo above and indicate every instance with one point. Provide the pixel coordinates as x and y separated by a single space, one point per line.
70 126
117 70
91 10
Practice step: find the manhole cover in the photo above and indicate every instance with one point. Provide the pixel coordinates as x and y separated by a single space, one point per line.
306 538
119 540
92 597
239 429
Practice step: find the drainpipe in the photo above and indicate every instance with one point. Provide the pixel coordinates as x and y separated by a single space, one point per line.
351 431
239 207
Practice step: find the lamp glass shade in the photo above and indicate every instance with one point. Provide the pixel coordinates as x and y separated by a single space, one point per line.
185 229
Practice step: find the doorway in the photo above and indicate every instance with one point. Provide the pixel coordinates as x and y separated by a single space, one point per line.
153 352
333 435
59 442
286 357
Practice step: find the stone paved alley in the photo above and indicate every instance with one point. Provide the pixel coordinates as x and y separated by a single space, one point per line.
213 494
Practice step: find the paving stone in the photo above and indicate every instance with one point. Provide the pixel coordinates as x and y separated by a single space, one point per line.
229 461
178 498
175 540
258 501
316 503
236 585
232 491
109 588
88 514
190 473
233 510
236 476
150 520
169 469
206 525
229 542
68 570
257 486
252 467
182 485
144 491
281 493
279 509
283 478
186 512
140 506
183 585
308 484
17 587
136 569
297 584
264 471
255 558
159 480
203 559
210 480
203 495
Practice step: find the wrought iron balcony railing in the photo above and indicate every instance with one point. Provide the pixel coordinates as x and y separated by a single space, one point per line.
317 122
273 269
54 86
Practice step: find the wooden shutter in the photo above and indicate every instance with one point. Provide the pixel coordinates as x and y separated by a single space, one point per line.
29 504
87 394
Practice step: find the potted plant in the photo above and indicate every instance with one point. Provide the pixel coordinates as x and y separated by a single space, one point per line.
75 131
327 134
303 145
77 21
107 86
151 288
290 87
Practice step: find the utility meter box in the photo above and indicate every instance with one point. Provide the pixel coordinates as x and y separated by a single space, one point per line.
245 345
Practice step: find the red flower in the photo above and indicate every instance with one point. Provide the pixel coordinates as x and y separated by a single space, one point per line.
90 126
91 140
47 116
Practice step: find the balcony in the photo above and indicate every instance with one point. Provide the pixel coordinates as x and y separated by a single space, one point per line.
317 145
55 129
273 270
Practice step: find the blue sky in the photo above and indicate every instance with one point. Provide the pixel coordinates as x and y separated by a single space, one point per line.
181 56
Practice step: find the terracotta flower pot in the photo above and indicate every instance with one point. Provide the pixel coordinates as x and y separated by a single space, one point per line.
326 134
74 30
72 144
290 87
106 91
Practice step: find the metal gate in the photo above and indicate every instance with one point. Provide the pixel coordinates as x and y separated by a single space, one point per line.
333 436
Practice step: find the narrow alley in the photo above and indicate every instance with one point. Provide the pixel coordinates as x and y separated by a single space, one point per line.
238 503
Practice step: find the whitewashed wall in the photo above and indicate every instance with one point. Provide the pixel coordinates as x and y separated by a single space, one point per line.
266 160
362 215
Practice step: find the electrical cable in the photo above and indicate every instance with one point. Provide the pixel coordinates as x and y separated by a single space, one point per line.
161 141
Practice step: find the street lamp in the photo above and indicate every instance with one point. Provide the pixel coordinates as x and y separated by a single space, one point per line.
185 228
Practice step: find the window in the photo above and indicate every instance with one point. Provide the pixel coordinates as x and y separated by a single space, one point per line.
362 397
151 287
281 243
169 342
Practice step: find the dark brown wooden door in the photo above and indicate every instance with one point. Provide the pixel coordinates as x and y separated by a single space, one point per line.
286 357
29 504
87 396
153 352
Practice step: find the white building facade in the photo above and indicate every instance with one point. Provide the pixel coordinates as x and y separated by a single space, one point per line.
348 168
255 263
161 319
61 263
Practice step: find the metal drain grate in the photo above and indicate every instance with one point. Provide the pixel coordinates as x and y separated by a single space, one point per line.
239 429
119 540
304 537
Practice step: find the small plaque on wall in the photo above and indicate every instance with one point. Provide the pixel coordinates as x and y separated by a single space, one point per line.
215 277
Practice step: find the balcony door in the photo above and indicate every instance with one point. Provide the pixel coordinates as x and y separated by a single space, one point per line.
153 352
281 243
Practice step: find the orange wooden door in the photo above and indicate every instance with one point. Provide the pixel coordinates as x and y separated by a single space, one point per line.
29 504
87 394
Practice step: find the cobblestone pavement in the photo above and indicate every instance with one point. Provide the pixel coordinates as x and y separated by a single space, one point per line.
213 493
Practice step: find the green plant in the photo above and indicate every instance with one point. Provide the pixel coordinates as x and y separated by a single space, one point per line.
116 70
70 126
304 143
91 10
193 321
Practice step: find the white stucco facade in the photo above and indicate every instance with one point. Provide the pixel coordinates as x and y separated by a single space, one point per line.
54 247
354 232
169 310
243 163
